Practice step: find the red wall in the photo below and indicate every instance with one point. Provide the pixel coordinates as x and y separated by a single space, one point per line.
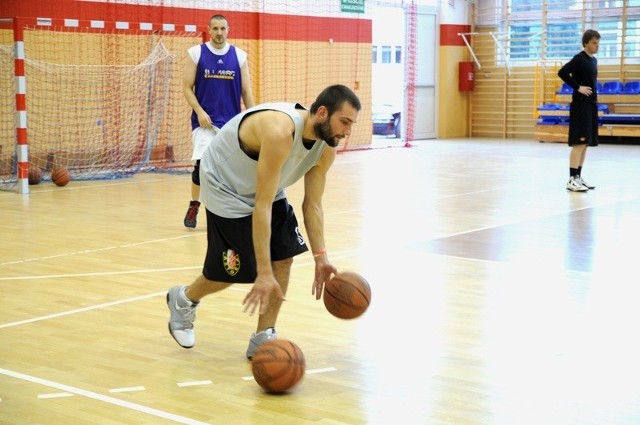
449 34
245 25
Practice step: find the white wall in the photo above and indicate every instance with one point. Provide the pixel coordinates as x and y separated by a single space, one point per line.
454 12
388 29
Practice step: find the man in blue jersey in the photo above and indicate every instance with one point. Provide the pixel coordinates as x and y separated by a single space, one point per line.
252 231
216 78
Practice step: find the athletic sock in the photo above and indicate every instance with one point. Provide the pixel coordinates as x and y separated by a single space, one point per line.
186 302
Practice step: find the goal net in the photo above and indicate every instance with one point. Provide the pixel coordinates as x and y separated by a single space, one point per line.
98 104
7 111
108 102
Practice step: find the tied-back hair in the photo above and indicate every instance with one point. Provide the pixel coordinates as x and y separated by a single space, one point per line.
588 35
333 97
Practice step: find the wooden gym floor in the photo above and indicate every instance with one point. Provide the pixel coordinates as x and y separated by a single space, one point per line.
499 298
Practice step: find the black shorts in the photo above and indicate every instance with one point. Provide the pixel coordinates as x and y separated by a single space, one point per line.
583 124
230 255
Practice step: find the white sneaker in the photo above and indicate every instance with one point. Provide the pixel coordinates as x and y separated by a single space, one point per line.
584 183
182 317
575 185
257 339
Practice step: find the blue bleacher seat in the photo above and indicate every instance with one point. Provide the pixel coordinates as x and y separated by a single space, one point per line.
549 121
550 107
628 119
565 89
631 87
611 87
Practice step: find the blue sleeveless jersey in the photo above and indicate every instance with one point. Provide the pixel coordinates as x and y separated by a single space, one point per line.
218 86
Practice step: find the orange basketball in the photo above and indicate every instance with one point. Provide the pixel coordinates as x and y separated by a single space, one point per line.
347 295
35 174
60 176
278 365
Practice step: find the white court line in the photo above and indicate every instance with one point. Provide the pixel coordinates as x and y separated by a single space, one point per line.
240 288
127 389
103 398
54 395
194 383
80 310
58 276
108 248
537 217
308 372
162 270
338 256
322 370
100 184
94 307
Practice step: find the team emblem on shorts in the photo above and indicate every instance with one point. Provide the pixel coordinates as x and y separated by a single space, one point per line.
300 238
231 262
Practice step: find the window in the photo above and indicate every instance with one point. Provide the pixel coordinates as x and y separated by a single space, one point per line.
386 54
564 40
526 37
374 54
398 54
632 45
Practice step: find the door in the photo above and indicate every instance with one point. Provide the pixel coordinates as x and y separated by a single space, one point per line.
425 68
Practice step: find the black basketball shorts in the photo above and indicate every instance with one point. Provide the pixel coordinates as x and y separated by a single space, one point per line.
583 124
230 256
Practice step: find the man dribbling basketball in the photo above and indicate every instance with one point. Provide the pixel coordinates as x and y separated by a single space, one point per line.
252 231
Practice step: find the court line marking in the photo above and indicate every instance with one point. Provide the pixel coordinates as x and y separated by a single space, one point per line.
127 389
528 219
194 383
133 244
338 256
321 370
127 300
58 276
106 248
93 307
81 310
307 372
104 183
55 395
104 398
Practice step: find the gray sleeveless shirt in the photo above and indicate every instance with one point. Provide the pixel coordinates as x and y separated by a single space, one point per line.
228 175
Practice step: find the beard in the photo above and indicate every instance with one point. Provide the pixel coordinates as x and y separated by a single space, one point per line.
323 131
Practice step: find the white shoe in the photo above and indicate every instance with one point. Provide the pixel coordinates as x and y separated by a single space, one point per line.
575 185
584 183
257 339
182 317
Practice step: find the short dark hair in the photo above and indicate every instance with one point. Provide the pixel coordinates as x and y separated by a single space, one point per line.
588 35
217 17
333 97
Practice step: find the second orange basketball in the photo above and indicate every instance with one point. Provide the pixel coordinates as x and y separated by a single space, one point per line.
278 365
60 176
347 295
